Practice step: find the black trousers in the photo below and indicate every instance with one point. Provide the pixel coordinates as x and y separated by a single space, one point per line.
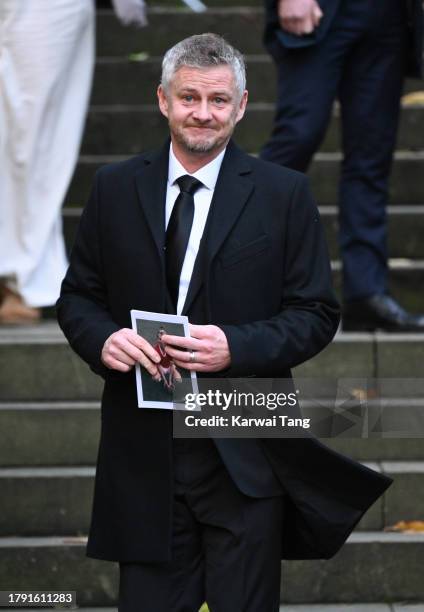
225 546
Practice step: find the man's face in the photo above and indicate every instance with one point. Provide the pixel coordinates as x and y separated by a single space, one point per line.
202 107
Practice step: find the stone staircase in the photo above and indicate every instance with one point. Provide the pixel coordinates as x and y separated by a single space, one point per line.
49 400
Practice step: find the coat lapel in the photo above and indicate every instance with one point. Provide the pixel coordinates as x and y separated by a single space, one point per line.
151 183
232 191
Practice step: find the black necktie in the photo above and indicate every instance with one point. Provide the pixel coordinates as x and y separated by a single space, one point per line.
178 232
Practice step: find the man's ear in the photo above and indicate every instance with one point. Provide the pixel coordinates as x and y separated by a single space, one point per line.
242 106
163 101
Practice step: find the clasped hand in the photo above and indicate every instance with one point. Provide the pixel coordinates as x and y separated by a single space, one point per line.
299 16
124 348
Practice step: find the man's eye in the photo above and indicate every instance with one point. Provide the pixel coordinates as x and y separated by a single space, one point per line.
188 98
219 100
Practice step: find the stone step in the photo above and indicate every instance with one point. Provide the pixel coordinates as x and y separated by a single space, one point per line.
122 80
378 449
111 129
406 277
52 433
405 229
372 567
395 360
360 607
36 364
407 186
67 433
242 26
44 501
340 607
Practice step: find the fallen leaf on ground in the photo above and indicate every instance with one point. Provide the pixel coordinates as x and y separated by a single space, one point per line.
415 97
407 526
363 394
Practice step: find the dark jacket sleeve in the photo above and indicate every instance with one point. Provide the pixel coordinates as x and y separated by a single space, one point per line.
82 308
309 314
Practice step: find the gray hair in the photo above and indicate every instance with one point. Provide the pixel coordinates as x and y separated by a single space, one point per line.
201 51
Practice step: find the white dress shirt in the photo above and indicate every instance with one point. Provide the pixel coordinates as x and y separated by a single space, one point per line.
208 176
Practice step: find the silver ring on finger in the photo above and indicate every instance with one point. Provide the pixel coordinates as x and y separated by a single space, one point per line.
193 356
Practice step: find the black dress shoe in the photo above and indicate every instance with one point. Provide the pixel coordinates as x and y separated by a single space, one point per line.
380 312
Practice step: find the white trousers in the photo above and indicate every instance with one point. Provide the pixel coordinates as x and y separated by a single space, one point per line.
46 66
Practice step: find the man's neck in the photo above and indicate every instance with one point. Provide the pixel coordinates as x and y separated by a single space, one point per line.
192 162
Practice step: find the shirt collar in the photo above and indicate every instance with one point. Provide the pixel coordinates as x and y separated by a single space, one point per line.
208 174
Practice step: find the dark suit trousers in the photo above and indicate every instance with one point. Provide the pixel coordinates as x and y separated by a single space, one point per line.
226 547
361 61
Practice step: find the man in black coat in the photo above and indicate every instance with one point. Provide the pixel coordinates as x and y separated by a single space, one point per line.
357 51
195 519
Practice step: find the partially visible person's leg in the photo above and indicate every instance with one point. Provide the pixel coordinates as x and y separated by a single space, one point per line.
370 93
308 80
44 97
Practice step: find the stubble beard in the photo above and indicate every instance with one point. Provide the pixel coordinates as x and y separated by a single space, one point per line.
196 145
204 145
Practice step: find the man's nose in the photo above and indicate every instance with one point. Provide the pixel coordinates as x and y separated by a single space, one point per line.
202 111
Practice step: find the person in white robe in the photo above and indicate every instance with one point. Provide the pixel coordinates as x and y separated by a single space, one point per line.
46 68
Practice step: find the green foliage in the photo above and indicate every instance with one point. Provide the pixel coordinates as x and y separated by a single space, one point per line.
138 57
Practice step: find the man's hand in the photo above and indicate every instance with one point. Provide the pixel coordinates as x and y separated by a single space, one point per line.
299 16
123 349
208 344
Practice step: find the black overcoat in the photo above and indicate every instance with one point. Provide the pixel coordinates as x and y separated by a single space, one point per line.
263 275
